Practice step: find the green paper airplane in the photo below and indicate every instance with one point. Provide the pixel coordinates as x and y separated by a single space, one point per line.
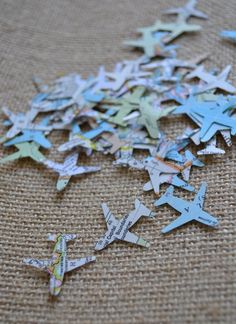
127 104
150 115
25 149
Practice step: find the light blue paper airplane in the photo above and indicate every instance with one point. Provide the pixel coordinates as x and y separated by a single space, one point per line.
32 135
189 210
217 114
229 34
190 160
173 152
25 149
187 11
89 95
210 116
102 128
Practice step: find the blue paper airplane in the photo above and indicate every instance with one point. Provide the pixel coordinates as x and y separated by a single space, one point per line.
32 135
189 210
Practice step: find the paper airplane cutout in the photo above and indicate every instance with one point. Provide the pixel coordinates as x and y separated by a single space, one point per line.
29 135
127 104
21 121
59 264
151 44
77 138
187 11
168 67
25 149
150 116
119 229
212 81
69 168
177 28
211 116
124 74
189 210
156 166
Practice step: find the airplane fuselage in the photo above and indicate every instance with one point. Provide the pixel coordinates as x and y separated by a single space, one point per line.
118 230
57 266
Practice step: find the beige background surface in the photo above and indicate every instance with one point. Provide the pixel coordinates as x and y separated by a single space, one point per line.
188 276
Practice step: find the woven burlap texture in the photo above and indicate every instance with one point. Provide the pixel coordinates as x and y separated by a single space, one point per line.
188 276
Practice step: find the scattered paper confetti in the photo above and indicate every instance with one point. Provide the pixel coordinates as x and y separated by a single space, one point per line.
119 112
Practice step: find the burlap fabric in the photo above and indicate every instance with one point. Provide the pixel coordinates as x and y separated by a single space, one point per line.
188 276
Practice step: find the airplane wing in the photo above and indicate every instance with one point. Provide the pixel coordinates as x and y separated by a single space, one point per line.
73 264
181 220
225 73
148 186
206 219
166 167
11 157
133 238
58 167
199 199
135 43
173 35
13 131
186 172
83 169
36 154
214 128
109 217
206 124
174 180
155 179
9 114
71 159
69 145
150 123
226 86
40 264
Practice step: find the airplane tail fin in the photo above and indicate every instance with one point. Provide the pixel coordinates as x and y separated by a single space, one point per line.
164 198
211 150
68 237
225 73
200 196
195 73
144 210
190 157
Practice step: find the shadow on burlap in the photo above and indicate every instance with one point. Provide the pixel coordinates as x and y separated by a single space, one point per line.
188 276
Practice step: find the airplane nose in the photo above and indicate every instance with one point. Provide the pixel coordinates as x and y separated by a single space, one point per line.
98 247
